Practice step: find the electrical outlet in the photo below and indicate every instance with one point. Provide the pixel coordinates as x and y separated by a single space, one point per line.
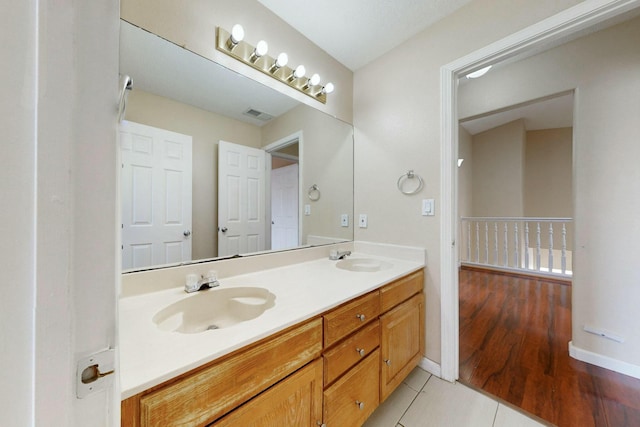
362 223
344 220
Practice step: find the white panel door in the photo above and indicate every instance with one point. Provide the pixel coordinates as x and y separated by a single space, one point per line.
284 207
156 196
241 199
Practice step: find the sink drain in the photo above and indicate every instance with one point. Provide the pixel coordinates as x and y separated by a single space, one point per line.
212 327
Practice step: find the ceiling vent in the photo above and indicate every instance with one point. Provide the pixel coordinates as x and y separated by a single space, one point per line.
258 115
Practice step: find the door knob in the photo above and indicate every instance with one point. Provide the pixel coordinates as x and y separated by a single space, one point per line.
223 229
187 233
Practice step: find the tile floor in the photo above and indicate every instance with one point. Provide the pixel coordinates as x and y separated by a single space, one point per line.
424 400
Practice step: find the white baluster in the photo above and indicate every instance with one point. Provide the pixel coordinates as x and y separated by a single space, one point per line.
469 241
495 244
516 242
477 242
564 248
505 245
538 247
526 245
550 247
486 242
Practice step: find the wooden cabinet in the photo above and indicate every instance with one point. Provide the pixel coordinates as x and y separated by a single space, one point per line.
401 343
334 369
200 397
294 401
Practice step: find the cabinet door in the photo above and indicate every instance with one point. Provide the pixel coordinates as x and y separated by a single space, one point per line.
294 401
400 344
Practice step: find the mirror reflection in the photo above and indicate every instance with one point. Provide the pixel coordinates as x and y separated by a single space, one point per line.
216 164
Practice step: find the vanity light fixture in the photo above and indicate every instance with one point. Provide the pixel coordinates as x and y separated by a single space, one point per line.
313 81
236 36
328 88
479 73
280 62
298 73
261 50
233 44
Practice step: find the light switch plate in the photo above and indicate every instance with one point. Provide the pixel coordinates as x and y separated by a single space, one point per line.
362 223
344 220
428 207
307 210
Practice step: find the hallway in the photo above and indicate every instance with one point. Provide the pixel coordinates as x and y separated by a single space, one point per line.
514 335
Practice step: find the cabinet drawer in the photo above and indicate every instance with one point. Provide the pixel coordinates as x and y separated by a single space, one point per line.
294 401
215 390
345 319
351 400
350 351
400 290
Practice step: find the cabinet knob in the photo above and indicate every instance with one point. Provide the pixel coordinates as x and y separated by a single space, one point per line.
360 351
388 362
361 317
360 404
321 424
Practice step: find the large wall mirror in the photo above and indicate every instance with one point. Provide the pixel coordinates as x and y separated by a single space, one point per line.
215 164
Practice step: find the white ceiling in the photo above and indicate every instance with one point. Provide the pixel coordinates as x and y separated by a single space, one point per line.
550 113
355 32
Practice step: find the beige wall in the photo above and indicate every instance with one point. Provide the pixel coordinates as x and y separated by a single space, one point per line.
397 123
206 129
603 68
192 25
498 171
548 173
327 160
465 173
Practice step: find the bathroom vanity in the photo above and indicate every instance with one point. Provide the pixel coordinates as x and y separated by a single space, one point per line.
324 352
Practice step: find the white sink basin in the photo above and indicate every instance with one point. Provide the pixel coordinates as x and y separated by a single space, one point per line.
363 264
214 309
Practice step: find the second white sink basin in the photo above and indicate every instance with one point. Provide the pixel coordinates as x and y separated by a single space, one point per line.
363 264
214 309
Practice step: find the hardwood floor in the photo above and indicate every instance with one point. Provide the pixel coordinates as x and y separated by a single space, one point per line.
514 335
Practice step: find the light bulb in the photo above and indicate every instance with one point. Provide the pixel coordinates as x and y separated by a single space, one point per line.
314 80
261 48
299 72
282 60
237 34
328 88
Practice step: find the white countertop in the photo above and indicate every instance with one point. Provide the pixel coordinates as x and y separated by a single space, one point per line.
149 356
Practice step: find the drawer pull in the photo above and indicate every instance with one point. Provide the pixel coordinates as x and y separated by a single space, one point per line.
361 317
361 351
388 362
360 404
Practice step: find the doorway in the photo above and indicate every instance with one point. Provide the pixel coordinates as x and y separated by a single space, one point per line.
552 31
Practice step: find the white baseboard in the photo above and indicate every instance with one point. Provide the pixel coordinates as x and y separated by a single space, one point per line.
430 366
604 361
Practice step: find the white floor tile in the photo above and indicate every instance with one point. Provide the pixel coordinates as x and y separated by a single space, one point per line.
507 417
417 379
442 404
388 414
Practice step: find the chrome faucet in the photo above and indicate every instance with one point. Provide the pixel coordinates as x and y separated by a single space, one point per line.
335 255
194 284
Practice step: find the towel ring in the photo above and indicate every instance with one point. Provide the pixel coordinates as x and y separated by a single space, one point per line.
410 175
314 193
